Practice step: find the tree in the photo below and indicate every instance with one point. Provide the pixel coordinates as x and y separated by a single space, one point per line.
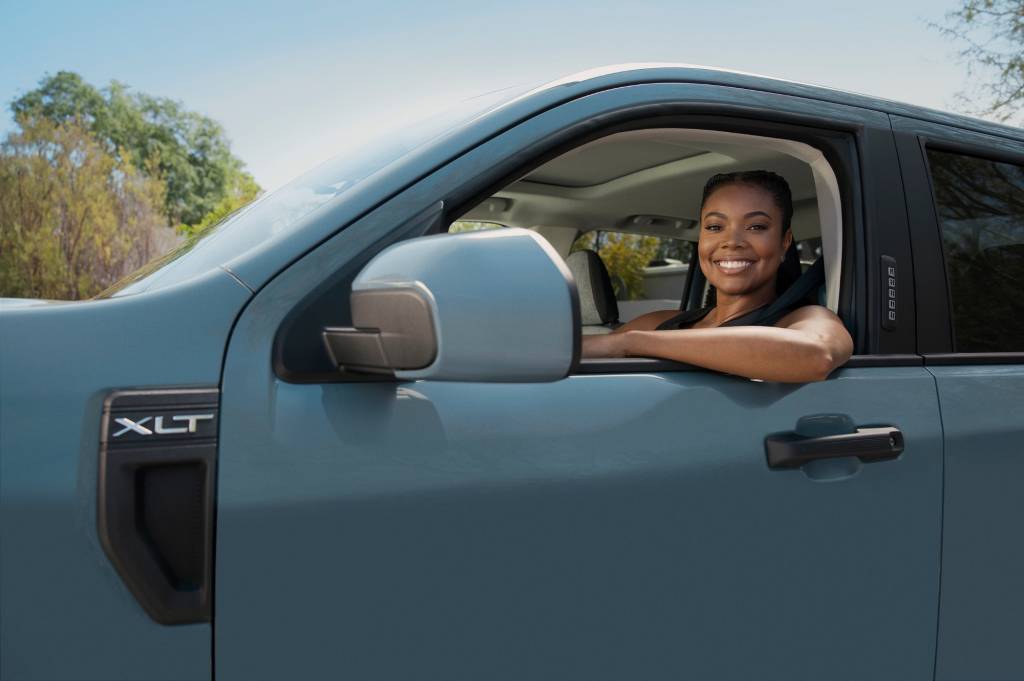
992 35
185 150
241 191
73 219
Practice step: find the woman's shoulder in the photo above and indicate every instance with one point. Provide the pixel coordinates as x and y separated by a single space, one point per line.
807 313
649 321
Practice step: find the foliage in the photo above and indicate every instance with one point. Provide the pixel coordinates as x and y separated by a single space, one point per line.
992 35
187 151
242 191
73 218
625 256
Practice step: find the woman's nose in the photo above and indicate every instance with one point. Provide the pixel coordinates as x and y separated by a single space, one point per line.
733 236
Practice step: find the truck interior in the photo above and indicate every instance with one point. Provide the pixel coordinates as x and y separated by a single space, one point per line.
642 189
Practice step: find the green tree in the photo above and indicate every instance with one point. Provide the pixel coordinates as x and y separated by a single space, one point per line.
241 191
991 36
73 218
187 151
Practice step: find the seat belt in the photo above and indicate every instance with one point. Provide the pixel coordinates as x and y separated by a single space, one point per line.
791 298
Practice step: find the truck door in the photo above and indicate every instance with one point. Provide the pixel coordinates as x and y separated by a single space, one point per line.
967 219
620 523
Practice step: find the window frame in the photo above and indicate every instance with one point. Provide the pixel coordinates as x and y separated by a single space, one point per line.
850 170
857 142
914 139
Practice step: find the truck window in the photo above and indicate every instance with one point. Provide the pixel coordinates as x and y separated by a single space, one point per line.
647 272
633 198
980 205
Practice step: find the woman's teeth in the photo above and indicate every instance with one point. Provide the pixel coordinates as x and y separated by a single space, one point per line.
734 265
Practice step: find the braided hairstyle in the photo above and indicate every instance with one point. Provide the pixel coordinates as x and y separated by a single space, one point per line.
776 186
773 183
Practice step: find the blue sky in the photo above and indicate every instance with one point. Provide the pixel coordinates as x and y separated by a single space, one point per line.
296 83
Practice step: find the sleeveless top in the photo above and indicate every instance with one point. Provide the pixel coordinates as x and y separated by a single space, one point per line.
685 320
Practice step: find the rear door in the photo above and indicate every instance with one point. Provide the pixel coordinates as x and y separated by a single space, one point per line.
967 213
620 523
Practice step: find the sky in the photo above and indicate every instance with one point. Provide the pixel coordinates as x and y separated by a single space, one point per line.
296 83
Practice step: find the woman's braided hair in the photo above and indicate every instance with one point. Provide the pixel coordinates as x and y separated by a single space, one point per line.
773 183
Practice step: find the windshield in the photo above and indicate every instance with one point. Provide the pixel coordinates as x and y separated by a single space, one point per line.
279 211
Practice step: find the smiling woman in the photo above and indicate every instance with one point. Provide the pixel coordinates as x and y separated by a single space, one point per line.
745 238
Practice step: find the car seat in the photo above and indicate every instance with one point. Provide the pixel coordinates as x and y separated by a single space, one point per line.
599 311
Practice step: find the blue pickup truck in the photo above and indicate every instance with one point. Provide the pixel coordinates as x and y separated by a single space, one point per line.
347 433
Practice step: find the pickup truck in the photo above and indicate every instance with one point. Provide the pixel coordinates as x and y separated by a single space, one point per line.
328 439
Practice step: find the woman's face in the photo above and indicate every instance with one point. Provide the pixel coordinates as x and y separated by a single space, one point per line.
741 243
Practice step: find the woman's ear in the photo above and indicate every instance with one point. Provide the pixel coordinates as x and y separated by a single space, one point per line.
787 239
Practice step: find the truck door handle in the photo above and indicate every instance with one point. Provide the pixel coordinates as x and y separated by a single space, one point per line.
791 450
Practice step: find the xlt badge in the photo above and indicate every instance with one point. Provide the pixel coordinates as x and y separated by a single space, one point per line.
133 418
159 427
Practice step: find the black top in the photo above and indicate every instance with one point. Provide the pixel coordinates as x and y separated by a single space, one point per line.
685 320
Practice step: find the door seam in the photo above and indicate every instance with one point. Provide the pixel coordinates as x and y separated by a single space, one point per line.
942 522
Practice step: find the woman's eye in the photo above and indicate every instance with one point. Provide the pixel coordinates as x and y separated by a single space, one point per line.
758 227
713 228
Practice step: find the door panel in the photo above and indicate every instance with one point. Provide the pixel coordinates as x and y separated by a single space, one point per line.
981 395
981 625
597 527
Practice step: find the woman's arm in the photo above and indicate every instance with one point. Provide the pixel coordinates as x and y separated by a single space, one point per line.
805 345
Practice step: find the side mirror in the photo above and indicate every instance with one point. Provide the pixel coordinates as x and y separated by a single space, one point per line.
497 306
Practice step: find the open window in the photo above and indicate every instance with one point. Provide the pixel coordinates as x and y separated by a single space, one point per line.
638 184
632 199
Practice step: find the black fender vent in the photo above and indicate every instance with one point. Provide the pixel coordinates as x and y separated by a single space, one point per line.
158 453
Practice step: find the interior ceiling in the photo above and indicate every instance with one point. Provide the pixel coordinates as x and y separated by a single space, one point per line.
605 183
613 157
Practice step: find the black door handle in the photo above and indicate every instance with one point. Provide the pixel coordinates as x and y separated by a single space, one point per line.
791 450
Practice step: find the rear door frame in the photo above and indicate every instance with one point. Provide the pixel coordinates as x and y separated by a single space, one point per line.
980 593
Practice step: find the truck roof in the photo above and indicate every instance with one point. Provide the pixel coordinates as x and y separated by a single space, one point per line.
631 74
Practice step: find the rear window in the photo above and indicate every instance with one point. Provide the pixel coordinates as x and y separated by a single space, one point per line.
636 262
980 206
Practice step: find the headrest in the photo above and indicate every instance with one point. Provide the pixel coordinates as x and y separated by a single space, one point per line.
597 298
789 271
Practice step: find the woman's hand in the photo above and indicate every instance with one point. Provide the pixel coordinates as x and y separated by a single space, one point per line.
614 344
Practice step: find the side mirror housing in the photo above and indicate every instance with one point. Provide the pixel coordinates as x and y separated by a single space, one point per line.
497 305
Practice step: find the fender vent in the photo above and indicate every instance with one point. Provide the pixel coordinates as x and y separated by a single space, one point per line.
158 453
171 520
